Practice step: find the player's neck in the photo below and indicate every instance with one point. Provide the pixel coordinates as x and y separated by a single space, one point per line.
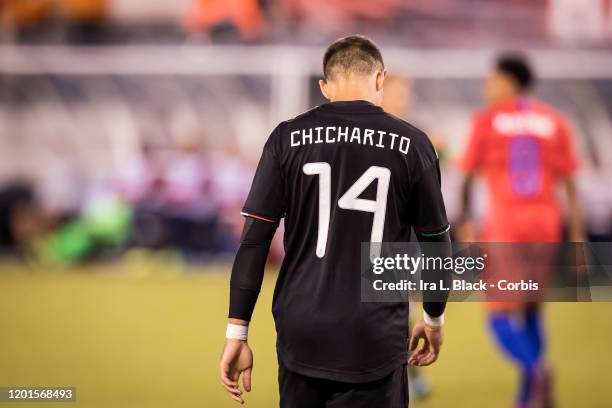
354 90
510 99
354 96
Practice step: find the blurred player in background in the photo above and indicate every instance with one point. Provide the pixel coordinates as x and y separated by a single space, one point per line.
524 149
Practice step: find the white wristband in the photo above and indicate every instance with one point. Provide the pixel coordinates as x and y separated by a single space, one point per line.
433 321
236 332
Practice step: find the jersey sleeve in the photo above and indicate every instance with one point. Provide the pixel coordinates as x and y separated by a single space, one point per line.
471 159
428 213
567 160
266 199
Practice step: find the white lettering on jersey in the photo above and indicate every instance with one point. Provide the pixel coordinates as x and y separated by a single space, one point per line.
350 201
346 134
524 123
295 142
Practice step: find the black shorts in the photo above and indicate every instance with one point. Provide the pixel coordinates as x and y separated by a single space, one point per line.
298 391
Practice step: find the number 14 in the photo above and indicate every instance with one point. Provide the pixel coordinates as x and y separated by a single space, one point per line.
350 200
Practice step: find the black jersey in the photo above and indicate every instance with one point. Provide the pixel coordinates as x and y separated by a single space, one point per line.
342 174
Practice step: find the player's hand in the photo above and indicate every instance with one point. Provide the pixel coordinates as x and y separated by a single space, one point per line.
237 359
432 342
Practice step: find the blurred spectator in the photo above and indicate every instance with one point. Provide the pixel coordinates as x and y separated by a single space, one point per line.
83 10
187 179
21 219
62 182
25 13
231 184
208 16
189 206
571 20
338 16
137 179
85 18
139 182
30 19
20 18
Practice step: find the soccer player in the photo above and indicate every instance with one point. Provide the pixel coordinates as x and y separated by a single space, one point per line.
524 149
340 174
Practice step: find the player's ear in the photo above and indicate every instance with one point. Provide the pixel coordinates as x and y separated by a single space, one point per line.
380 79
323 85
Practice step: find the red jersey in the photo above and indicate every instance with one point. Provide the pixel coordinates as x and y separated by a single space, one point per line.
523 148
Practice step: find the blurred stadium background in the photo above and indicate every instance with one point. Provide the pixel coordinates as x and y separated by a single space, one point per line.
129 133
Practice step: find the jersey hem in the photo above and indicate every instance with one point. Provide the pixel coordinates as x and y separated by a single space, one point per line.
342 375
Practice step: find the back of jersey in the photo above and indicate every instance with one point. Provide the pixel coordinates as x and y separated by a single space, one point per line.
524 149
342 174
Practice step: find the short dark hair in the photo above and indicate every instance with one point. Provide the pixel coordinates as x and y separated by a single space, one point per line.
355 53
517 66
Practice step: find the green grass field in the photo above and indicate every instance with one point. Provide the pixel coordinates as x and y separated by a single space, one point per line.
130 339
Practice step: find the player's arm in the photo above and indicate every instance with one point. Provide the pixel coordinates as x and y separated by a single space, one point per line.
470 161
434 302
263 210
568 165
432 229
466 229
575 224
245 284
466 196
248 268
